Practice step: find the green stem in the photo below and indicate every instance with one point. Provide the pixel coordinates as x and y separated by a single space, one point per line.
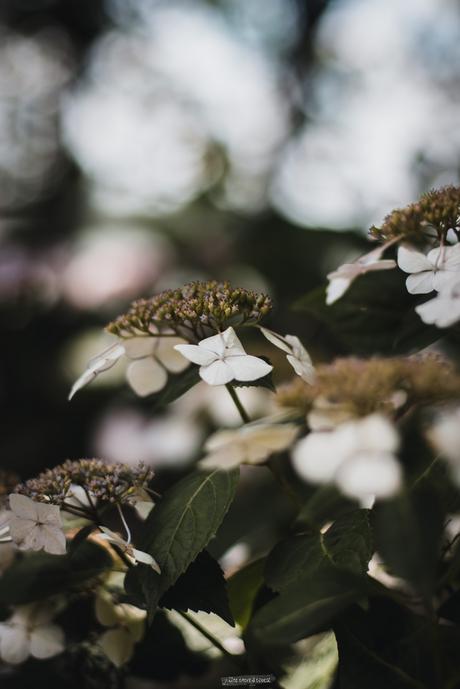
210 637
242 411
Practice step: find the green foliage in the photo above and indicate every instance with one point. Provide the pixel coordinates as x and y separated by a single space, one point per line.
179 528
318 576
243 588
347 544
39 575
201 587
408 531
375 316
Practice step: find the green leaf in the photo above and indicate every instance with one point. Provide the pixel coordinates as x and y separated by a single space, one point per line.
324 504
38 575
376 315
408 533
202 587
307 607
177 385
243 588
347 544
180 527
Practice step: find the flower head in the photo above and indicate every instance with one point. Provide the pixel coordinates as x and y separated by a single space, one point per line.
193 310
358 456
434 271
437 211
29 632
250 444
297 355
115 483
341 279
351 387
222 358
36 526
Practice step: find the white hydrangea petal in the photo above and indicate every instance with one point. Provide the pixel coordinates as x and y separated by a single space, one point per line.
337 288
276 340
117 645
412 261
146 376
97 365
440 311
217 373
140 347
53 540
146 559
376 433
364 475
442 279
246 367
452 258
23 507
226 458
232 341
215 344
143 508
387 264
196 354
420 283
171 359
303 369
14 643
46 641
49 514
263 441
219 439
317 457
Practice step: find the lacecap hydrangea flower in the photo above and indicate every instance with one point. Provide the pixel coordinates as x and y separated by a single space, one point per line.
148 334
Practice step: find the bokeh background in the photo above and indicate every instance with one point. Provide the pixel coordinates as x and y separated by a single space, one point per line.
144 143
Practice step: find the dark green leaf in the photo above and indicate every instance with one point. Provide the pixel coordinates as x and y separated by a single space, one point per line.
346 544
306 608
243 588
201 587
38 575
180 527
408 532
376 315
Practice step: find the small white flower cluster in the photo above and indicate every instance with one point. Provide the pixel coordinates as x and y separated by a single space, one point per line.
439 271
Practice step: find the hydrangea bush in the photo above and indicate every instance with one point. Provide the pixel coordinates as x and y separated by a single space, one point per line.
102 566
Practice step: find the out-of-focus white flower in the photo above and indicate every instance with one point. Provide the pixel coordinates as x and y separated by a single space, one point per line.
134 556
29 632
127 627
250 444
151 359
358 456
297 355
432 271
35 525
445 438
222 358
444 310
341 279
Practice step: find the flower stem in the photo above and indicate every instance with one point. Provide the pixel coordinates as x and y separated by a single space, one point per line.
243 413
210 637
